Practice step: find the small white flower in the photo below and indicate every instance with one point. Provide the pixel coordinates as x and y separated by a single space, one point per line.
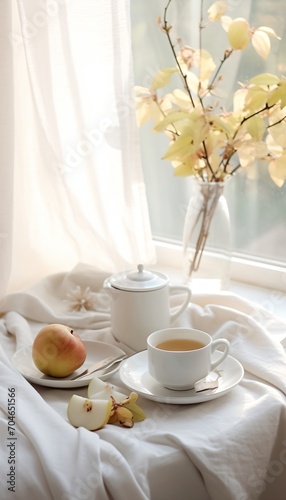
82 300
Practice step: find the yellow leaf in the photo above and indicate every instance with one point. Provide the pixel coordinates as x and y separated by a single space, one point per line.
219 124
233 121
181 99
140 91
278 95
261 43
193 81
173 117
269 31
239 100
277 170
191 166
162 78
146 107
245 159
265 79
215 160
205 63
145 111
277 130
255 99
249 150
238 34
226 22
214 141
256 127
217 10
180 148
183 170
188 142
274 148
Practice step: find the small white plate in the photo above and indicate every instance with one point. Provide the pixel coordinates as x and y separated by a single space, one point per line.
95 351
134 374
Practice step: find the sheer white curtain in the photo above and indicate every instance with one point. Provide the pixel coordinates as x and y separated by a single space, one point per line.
72 188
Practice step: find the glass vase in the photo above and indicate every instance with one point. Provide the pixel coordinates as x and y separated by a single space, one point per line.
207 238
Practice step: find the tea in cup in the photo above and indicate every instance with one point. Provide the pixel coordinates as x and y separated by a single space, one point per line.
179 357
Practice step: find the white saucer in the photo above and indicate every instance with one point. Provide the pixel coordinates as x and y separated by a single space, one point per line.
96 351
134 374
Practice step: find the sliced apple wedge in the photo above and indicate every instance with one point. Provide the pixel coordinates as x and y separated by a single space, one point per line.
98 389
89 413
96 385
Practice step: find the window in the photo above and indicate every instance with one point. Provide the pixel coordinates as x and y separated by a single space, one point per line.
257 206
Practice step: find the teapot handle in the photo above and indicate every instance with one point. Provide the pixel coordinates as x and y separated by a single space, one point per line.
180 288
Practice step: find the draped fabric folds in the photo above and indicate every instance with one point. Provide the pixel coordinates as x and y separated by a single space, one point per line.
71 184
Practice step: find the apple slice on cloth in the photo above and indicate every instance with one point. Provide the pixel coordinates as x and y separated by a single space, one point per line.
89 413
103 406
98 389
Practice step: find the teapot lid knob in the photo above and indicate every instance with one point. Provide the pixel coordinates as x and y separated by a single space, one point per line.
141 275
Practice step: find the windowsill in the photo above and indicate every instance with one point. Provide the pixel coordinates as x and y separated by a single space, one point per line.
273 301
270 298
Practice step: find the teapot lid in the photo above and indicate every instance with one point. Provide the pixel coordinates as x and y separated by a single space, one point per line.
139 280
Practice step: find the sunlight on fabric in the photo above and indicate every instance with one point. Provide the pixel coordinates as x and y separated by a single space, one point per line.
79 193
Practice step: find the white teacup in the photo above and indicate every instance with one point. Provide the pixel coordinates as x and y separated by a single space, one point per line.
178 357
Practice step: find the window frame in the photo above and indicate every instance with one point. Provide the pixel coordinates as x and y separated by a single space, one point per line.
264 274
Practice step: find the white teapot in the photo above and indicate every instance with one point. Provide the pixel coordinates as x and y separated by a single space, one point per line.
140 305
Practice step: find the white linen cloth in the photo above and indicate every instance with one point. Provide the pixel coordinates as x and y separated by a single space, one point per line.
230 448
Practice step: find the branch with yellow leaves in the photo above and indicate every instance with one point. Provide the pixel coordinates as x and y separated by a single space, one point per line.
204 137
